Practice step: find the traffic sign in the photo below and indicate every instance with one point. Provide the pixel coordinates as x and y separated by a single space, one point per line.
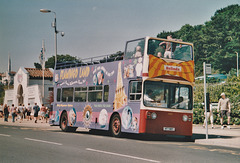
208 69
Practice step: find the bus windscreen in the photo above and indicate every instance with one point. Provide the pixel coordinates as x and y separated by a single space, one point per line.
167 95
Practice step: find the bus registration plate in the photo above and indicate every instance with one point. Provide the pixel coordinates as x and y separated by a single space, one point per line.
168 129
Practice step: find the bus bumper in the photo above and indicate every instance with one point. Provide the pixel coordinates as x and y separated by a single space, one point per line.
166 123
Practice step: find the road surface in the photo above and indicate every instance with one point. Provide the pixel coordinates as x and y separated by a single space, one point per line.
27 144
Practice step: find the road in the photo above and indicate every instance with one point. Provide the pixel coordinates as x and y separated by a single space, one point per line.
26 144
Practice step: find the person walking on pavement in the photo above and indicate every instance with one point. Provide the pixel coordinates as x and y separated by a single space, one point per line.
36 110
208 115
225 107
24 111
13 112
6 112
42 112
29 109
20 113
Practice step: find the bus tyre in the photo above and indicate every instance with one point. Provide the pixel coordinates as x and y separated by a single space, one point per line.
115 126
64 122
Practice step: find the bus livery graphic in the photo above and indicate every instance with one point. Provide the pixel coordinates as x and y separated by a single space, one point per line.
158 67
120 96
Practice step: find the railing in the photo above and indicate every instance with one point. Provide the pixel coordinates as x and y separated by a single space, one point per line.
90 61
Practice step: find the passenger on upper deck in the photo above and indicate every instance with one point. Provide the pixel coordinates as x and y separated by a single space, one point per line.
168 50
138 52
159 54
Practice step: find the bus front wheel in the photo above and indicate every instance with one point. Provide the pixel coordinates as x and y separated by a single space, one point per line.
115 126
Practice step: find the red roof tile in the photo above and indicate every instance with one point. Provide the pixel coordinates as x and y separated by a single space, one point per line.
38 73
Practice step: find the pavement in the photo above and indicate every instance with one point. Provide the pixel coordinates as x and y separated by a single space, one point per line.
216 136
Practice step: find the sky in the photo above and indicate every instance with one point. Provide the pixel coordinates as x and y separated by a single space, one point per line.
91 27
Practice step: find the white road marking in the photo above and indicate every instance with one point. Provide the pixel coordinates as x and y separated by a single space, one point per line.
43 141
5 135
122 155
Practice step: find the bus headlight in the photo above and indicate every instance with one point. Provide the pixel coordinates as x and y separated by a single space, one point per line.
185 118
153 115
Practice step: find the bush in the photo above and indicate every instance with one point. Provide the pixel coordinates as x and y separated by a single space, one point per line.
198 116
232 89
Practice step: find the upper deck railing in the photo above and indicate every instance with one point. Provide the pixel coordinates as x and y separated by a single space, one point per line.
90 61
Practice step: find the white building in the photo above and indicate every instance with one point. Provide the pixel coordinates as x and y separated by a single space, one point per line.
28 88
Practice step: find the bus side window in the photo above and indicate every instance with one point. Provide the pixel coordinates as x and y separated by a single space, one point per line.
80 94
67 94
95 94
59 94
135 90
106 93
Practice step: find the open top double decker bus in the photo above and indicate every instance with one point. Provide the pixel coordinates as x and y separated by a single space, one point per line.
149 89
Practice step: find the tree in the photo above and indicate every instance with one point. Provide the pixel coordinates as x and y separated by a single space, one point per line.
50 63
215 42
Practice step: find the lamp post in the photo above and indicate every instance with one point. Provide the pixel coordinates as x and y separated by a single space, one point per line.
54 25
237 63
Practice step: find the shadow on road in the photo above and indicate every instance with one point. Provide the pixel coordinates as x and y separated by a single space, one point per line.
203 136
141 137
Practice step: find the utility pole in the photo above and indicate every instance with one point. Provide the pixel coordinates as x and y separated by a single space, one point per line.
206 70
237 63
205 99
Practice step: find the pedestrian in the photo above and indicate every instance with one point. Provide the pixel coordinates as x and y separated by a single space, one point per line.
24 111
47 114
13 112
36 110
29 109
42 112
6 113
208 115
1 110
20 113
225 109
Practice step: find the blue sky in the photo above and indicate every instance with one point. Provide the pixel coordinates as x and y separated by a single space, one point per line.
92 27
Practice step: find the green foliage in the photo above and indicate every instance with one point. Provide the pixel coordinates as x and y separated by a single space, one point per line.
37 65
50 63
231 87
215 42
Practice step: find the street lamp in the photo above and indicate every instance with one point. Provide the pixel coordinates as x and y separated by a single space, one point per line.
54 25
237 63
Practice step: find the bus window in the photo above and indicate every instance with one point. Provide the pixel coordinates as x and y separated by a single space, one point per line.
182 97
80 94
67 94
59 94
106 93
95 94
135 90
168 49
167 95
134 49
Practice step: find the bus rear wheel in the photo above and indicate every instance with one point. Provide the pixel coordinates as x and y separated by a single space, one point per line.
115 126
64 122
